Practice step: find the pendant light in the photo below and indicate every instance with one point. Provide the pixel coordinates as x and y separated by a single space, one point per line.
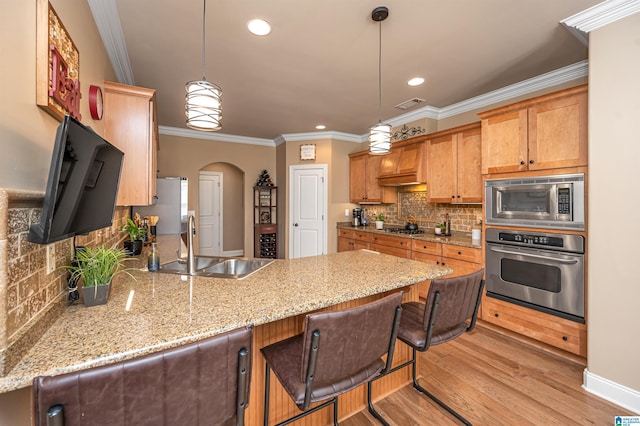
203 102
380 134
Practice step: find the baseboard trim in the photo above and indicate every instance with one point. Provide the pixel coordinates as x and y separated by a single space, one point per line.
611 391
233 253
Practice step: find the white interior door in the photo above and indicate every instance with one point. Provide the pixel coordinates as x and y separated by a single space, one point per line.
210 214
308 201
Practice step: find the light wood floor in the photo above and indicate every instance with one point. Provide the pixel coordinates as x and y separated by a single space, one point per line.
493 380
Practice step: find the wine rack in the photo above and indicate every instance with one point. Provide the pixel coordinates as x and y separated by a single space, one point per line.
265 213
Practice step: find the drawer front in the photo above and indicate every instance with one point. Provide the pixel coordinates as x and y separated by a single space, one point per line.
394 251
558 332
346 233
392 241
362 236
268 229
467 254
427 247
426 258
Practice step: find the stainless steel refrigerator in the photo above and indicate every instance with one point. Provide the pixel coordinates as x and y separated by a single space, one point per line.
170 205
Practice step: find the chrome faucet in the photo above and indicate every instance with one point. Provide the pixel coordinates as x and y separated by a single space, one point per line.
191 258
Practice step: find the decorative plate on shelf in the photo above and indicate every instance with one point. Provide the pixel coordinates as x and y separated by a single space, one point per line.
265 217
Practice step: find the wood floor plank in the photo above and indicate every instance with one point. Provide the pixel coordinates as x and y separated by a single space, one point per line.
494 380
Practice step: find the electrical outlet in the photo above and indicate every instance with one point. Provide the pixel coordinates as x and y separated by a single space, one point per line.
51 258
346 212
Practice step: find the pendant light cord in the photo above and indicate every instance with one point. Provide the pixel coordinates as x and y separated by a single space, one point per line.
204 18
380 72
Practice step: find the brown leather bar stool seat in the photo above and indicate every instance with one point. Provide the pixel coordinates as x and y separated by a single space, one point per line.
338 351
200 383
451 308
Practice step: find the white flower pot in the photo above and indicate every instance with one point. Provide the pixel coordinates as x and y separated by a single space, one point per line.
379 224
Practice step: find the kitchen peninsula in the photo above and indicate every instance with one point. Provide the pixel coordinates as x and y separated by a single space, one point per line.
159 311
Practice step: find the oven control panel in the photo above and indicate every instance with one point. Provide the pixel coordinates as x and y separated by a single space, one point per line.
538 240
570 243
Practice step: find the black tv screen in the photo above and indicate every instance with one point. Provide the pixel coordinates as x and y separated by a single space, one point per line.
82 187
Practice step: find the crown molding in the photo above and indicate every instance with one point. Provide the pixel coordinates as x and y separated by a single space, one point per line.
602 14
105 15
314 136
543 81
213 136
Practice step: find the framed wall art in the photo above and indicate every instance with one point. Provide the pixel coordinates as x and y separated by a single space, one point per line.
308 152
57 65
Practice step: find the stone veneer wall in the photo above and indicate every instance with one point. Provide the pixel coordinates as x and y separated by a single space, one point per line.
463 216
30 300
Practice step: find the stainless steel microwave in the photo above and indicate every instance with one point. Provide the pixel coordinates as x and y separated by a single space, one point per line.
552 202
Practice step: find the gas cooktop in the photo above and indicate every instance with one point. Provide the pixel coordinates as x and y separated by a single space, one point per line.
405 231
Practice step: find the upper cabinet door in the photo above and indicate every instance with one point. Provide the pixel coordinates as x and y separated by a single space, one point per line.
558 133
469 174
442 153
131 125
358 178
504 143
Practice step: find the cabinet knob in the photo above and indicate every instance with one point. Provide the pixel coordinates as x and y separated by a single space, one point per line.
565 338
453 196
401 242
522 163
424 247
459 252
530 161
496 315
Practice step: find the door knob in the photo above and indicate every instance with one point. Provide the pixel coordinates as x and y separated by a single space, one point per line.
295 224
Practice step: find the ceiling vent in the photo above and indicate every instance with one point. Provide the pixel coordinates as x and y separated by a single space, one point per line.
410 103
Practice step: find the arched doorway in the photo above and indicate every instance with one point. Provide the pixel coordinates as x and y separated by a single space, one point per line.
221 210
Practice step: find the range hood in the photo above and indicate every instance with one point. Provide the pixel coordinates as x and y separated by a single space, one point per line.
400 180
404 165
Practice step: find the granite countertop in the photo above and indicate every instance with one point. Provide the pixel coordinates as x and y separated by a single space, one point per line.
159 311
462 239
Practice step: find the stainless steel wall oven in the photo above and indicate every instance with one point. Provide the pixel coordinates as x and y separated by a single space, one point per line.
543 271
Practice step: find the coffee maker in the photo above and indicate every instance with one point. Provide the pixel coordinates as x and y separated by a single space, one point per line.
360 217
357 216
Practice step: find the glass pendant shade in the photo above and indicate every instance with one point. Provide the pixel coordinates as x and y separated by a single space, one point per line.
203 105
380 139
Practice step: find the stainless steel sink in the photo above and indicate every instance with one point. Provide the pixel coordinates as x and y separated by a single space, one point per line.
236 268
217 267
180 266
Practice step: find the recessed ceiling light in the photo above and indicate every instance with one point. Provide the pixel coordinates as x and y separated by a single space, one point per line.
259 27
417 81
321 127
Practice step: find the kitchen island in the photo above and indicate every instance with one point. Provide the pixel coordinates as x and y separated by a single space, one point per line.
159 311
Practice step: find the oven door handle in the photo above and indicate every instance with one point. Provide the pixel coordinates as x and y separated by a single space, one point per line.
553 259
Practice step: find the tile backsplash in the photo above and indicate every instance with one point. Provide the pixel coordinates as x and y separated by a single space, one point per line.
463 216
31 298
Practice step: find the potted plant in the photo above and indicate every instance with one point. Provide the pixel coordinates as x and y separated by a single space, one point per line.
380 220
440 228
97 266
136 233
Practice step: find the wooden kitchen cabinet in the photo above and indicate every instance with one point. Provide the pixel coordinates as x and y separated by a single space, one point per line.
363 180
546 132
453 165
350 239
558 332
391 244
131 125
463 260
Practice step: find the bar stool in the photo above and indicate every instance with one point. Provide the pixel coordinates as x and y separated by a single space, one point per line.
451 308
205 382
338 351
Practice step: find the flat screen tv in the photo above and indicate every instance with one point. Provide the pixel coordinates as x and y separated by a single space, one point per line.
82 187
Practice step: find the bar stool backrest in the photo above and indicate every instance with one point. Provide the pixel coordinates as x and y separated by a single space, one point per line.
205 382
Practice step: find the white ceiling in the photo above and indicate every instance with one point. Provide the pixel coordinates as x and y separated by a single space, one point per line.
319 65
